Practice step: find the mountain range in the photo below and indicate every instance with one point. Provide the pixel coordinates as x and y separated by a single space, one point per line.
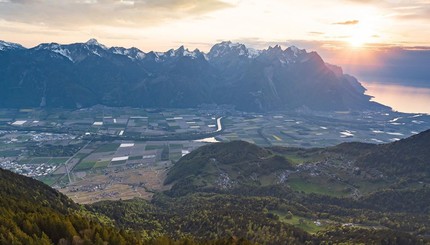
85 74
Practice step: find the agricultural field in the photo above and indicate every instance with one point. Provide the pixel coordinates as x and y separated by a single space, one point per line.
101 153
318 129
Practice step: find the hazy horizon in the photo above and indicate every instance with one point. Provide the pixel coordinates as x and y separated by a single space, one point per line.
158 25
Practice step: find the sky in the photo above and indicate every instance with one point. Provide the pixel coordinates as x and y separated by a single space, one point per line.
164 24
377 41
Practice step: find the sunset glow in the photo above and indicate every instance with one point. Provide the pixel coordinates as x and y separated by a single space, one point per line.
400 98
160 25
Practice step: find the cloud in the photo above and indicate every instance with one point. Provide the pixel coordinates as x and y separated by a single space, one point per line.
132 13
316 33
348 22
363 1
317 45
419 13
400 9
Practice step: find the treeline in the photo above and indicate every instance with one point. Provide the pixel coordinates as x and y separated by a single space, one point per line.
33 213
204 217
261 220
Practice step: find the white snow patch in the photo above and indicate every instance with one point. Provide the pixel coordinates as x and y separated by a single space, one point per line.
64 52
96 53
253 53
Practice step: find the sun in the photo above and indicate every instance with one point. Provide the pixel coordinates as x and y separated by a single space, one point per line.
362 33
357 42
360 37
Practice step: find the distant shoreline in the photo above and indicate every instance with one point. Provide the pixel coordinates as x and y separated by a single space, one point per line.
402 98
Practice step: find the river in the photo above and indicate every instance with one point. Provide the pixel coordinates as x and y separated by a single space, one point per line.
212 139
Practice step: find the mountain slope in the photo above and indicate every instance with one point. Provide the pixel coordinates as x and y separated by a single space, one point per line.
33 213
227 166
374 174
7 46
408 157
84 74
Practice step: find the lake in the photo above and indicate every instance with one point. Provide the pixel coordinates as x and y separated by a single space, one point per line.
401 98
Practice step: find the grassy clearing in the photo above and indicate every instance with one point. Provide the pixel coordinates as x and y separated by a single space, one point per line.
107 147
300 222
101 164
24 161
316 187
84 166
40 160
81 155
50 180
153 147
135 158
295 159
11 153
58 160
175 146
118 162
175 156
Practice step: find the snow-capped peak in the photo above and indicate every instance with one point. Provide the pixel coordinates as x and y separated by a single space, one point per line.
132 53
47 46
9 46
295 51
192 54
56 48
253 53
227 47
94 42
182 51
